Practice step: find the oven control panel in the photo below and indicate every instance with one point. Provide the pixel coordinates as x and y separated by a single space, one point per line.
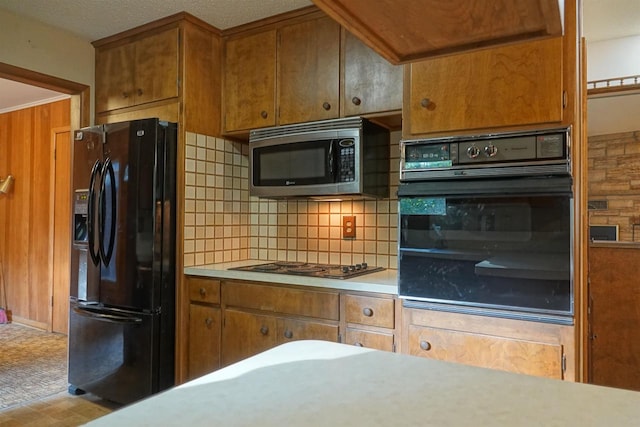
536 152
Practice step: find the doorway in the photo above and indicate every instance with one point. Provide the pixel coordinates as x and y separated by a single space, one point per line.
59 206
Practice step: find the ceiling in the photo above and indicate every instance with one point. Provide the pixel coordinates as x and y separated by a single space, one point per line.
95 19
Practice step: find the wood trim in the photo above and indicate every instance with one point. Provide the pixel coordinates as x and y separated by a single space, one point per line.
80 93
275 21
613 90
153 27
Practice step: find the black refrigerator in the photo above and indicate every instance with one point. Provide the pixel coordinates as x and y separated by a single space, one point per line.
122 299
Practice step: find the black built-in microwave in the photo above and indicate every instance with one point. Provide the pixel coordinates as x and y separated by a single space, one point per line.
341 158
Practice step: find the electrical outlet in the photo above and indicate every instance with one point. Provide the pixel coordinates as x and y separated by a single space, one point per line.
348 227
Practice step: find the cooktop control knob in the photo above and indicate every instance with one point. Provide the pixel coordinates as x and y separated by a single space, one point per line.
358 266
364 265
345 269
473 152
490 150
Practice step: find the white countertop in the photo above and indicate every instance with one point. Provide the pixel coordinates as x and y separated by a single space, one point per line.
385 281
317 383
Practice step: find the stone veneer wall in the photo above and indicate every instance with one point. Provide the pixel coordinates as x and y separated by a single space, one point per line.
223 224
614 176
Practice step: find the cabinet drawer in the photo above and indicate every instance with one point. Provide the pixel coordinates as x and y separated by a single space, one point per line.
370 311
204 290
302 302
376 340
293 329
508 354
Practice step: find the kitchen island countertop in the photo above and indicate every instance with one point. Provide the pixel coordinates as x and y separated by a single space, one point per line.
381 282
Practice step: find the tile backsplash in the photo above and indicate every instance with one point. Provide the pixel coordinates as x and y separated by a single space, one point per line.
223 223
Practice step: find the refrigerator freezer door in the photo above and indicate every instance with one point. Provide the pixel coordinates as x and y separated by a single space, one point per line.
85 270
112 355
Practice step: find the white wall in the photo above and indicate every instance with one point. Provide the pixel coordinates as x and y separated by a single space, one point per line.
613 58
610 59
29 44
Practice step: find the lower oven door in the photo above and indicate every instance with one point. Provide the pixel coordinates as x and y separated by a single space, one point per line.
494 246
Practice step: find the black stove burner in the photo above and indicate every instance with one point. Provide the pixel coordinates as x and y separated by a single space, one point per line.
306 270
289 263
313 270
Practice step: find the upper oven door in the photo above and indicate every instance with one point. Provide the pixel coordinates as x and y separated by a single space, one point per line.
498 244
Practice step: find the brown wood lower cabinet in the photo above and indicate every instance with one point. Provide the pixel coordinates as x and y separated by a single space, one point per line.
525 347
259 316
508 354
204 339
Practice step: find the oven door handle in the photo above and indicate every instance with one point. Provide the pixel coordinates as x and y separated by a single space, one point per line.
475 187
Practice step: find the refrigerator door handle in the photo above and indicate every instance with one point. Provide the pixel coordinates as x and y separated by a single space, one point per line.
107 252
95 257
104 317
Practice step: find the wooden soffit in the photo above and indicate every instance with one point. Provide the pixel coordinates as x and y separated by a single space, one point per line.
409 30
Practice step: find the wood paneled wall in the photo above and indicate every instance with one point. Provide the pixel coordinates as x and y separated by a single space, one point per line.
26 152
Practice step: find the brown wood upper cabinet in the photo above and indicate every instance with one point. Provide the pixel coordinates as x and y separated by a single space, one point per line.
250 81
408 30
512 85
370 83
295 71
137 72
309 71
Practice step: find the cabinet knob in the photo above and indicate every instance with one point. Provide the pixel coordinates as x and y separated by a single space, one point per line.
125 94
264 114
288 334
326 106
367 311
426 103
203 292
425 345
356 100
140 92
208 321
264 330
358 344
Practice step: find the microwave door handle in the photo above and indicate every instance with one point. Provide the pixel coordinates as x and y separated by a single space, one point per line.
331 159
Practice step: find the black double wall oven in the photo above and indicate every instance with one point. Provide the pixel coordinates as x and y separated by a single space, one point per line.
486 225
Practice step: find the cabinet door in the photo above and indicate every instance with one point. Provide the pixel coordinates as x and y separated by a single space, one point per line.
518 84
371 84
520 356
308 71
250 82
245 334
156 67
114 77
204 339
294 329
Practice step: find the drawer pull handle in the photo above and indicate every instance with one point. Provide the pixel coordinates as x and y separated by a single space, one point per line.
425 102
367 311
326 106
264 330
425 345
356 100
203 292
208 321
140 92
288 334
264 114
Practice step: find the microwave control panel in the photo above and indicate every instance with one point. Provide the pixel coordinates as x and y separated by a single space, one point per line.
346 160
